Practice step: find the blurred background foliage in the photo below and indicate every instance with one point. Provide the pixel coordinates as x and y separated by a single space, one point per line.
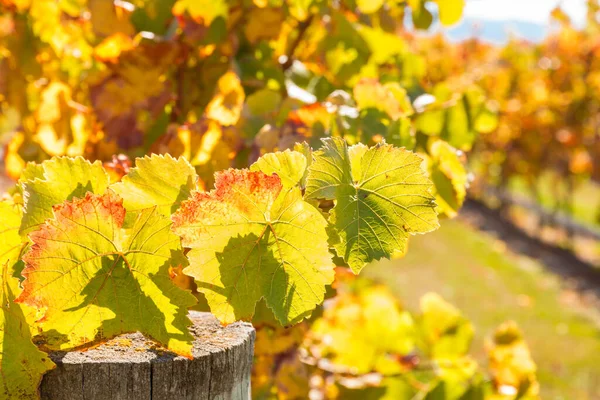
223 82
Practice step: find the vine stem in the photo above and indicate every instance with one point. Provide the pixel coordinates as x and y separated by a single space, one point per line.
177 110
302 28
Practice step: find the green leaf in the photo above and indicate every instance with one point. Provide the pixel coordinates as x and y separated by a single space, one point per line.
458 125
96 280
250 238
389 389
384 45
382 196
432 118
371 124
421 16
156 180
263 101
449 177
53 182
431 122
32 171
23 365
154 16
290 166
483 113
344 50
401 133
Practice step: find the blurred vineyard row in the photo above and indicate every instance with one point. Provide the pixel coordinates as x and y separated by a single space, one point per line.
546 96
223 82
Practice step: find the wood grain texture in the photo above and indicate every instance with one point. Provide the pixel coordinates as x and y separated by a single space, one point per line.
130 367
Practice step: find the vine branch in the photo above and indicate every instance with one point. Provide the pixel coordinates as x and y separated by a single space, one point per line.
302 28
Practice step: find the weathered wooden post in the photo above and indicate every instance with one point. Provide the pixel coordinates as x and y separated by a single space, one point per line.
130 367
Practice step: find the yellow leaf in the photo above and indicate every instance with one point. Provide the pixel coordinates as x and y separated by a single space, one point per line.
450 11
204 144
389 98
13 162
23 364
510 362
202 11
226 105
369 6
107 20
61 130
53 103
445 331
361 330
263 24
299 9
111 48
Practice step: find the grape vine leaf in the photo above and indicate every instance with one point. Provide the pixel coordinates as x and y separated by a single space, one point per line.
444 330
205 144
421 16
289 165
263 24
226 106
369 6
23 365
154 16
10 240
510 361
343 49
156 180
305 149
449 177
251 238
300 9
107 19
96 280
389 98
111 48
202 11
450 11
31 171
385 46
382 196
53 182
360 331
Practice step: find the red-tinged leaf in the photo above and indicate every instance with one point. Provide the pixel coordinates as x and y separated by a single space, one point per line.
251 239
96 280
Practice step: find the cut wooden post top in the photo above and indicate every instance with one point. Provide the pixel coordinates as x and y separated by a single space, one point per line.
133 367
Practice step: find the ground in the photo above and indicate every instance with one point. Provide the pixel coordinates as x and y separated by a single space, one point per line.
490 284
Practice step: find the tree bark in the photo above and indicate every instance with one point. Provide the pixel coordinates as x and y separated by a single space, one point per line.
130 367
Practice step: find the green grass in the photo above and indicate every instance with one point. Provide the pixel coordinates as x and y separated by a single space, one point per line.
586 204
489 284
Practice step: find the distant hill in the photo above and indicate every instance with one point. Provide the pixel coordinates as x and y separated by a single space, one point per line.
497 31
